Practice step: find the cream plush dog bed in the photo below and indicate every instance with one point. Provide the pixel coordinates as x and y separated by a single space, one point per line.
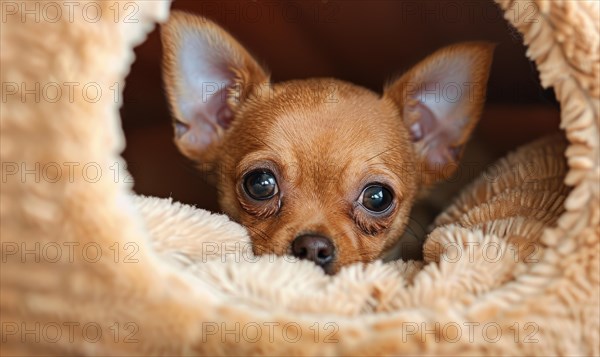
88 268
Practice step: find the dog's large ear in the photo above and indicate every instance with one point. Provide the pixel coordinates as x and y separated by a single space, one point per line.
207 75
440 101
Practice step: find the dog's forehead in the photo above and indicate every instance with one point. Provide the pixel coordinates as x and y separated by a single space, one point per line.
322 115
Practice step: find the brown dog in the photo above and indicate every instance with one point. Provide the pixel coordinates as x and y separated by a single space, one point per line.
320 169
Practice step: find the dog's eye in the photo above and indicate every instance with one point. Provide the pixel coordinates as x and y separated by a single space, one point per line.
376 198
260 184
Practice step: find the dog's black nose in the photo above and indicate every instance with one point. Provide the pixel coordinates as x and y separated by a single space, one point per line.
317 248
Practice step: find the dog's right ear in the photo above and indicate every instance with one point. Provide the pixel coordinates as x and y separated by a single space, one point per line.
207 75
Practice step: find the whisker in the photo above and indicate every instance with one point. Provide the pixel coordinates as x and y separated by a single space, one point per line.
383 152
261 141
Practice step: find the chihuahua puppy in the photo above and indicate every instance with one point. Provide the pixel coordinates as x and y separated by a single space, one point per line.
320 169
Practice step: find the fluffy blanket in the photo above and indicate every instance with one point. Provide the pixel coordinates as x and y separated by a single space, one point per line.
88 268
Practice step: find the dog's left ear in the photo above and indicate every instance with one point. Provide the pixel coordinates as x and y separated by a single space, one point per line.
440 101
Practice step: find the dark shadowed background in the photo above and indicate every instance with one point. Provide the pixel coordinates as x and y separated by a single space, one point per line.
365 42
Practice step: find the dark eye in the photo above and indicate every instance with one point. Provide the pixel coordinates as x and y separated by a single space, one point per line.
376 198
260 184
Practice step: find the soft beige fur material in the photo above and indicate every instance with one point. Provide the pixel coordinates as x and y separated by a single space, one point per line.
142 276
